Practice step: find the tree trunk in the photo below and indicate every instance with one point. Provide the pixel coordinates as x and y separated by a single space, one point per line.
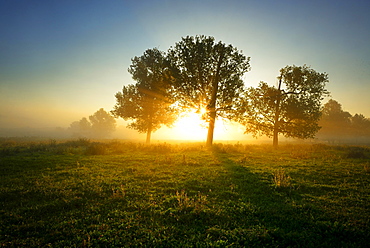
149 131
275 139
212 103
211 128
150 122
148 135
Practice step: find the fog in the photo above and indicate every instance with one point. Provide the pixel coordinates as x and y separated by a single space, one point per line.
167 135
61 62
45 124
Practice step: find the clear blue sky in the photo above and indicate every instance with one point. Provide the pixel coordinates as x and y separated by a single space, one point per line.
63 60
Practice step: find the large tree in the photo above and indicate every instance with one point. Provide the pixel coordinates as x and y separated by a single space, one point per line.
148 103
207 75
293 109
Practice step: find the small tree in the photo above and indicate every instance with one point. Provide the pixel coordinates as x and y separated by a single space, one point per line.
339 125
360 126
149 102
333 112
207 75
102 123
293 111
80 128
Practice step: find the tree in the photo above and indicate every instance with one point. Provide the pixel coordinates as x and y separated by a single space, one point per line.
81 127
334 121
360 126
340 125
293 111
207 75
102 123
149 102
333 112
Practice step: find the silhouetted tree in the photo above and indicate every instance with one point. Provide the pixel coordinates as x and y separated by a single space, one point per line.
360 126
340 125
207 75
80 128
102 123
293 111
333 112
334 121
149 102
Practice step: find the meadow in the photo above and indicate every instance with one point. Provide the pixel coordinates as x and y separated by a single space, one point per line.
82 193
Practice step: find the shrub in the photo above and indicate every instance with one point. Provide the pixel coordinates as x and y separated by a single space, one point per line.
281 179
356 154
96 149
197 203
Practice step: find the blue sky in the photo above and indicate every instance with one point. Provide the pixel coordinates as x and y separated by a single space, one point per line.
63 60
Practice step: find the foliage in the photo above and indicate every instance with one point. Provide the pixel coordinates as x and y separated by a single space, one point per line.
148 103
334 120
360 125
80 128
338 124
101 125
224 197
207 75
293 111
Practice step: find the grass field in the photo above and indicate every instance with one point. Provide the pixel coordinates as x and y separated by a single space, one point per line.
116 194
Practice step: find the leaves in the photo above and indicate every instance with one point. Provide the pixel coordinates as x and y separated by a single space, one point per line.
200 73
200 66
148 102
207 75
293 111
101 124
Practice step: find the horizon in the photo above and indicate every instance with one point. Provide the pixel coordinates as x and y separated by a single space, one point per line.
64 61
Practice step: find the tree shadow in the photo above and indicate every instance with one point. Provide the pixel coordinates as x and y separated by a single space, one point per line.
286 215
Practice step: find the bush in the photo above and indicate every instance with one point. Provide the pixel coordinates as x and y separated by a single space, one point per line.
281 179
96 149
357 152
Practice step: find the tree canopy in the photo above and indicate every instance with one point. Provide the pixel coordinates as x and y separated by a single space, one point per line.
80 128
207 75
293 111
198 73
339 125
100 125
148 103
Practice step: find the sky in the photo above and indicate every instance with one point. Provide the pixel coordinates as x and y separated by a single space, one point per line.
64 60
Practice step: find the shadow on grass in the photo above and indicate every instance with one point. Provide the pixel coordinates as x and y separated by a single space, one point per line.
287 217
223 204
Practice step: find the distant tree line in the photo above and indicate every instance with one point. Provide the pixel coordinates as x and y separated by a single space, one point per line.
200 73
99 125
338 125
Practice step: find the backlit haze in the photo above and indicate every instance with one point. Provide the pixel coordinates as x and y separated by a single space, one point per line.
64 60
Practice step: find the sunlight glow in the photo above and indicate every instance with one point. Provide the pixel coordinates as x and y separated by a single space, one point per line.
192 127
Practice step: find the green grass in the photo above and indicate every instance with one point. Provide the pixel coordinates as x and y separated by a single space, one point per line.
113 194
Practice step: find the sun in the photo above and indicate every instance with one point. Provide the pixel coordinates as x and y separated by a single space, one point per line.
190 126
